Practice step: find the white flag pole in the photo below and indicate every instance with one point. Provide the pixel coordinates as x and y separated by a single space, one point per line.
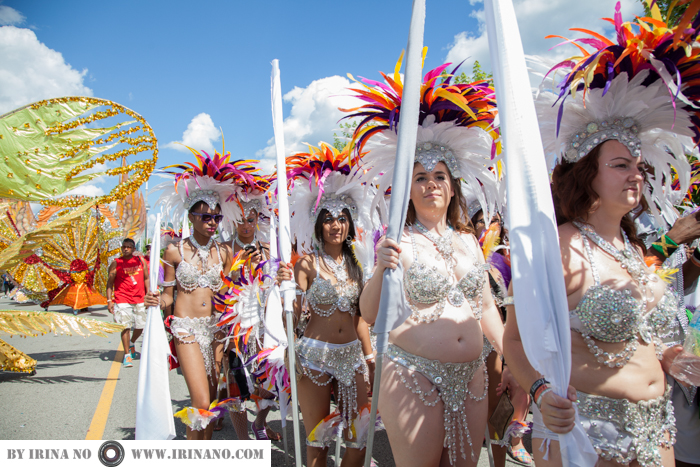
538 282
287 288
154 410
388 317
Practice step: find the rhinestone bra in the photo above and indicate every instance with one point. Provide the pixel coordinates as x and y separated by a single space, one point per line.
190 277
426 285
610 315
343 296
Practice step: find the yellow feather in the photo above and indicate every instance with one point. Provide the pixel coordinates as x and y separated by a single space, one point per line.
397 68
666 275
655 12
490 242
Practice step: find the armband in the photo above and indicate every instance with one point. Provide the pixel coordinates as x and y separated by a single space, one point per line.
666 247
536 385
508 301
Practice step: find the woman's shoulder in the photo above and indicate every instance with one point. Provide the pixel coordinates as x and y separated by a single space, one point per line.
172 251
306 263
568 232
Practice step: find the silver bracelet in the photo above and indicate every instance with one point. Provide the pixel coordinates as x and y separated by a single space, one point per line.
539 398
508 301
369 357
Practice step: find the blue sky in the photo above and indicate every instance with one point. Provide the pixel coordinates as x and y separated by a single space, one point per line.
206 64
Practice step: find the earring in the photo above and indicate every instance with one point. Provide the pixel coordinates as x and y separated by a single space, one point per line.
348 241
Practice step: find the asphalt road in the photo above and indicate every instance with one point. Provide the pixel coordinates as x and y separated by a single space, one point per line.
61 400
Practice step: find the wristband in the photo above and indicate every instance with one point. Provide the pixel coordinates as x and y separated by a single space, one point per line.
666 247
109 301
369 357
541 396
536 385
696 254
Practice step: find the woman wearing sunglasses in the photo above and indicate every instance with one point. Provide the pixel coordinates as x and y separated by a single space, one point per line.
193 267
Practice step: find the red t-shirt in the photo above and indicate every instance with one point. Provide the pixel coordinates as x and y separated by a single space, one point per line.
128 283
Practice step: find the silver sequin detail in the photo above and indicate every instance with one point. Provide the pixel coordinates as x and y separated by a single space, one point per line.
335 203
189 277
343 296
426 285
450 385
428 154
202 329
208 196
645 423
610 315
340 362
624 130
253 204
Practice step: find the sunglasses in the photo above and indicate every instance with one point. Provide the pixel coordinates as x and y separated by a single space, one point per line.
208 217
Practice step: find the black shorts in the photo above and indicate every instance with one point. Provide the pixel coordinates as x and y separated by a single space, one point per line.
237 374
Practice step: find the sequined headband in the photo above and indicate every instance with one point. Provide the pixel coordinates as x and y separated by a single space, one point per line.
253 204
624 130
335 203
208 196
473 208
428 154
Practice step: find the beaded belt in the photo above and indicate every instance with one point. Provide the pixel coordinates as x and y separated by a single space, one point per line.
451 381
341 362
642 425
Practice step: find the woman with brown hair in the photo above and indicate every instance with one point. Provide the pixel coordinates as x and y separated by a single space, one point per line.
434 387
614 156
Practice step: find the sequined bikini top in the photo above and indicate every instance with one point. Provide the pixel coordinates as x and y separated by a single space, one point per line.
426 285
610 315
190 277
343 296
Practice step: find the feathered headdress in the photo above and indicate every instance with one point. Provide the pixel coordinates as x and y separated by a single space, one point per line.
456 126
212 180
640 90
316 178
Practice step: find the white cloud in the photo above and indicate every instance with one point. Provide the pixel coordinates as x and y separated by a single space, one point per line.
200 135
86 190
10 17
30 71
314 115
537 19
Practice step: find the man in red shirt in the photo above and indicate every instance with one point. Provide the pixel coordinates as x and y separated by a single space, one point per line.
126 287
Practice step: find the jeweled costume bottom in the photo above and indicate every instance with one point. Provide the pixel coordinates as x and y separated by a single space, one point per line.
318 359
621 430
201 330
450 385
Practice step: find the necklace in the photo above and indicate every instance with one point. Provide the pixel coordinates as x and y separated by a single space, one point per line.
444 247
628 258
338 270
202 251
244 245
443 244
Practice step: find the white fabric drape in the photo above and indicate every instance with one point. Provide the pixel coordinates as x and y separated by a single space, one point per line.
538 280
392 307
154 410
